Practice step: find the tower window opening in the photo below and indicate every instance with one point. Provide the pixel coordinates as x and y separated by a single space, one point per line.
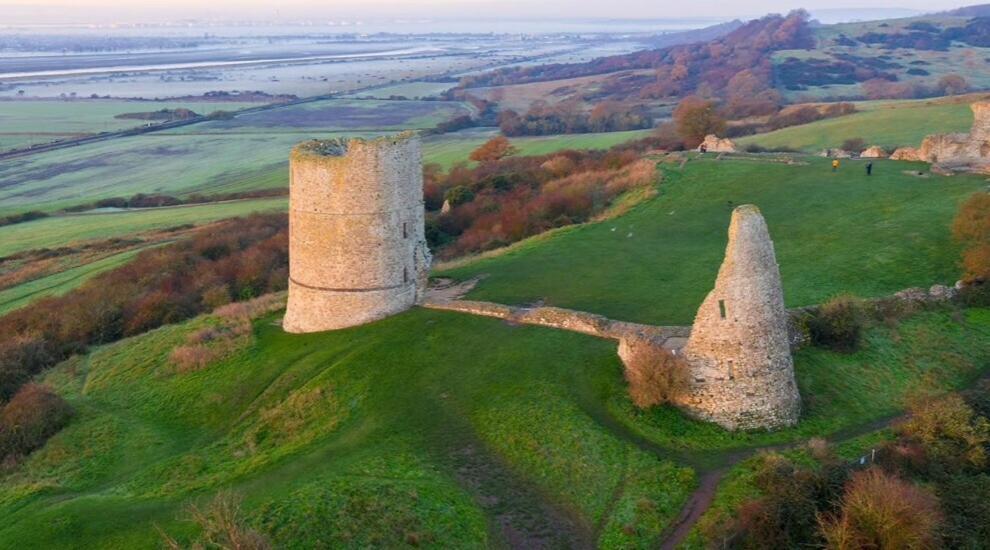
405 230
405 274
721 308
732 370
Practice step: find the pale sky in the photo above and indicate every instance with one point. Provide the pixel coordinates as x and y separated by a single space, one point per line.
254 9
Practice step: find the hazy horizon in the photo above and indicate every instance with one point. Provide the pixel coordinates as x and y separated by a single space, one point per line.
65 12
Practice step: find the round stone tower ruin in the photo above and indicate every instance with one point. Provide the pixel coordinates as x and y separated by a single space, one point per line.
357 249
742 374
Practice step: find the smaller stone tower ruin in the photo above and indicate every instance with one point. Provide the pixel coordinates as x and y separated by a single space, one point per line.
956 151
742 374
357 248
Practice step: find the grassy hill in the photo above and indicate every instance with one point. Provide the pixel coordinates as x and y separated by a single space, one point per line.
435 428
888 124
382 432
841 232
447 430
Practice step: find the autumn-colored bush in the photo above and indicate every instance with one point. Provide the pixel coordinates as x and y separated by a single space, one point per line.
494 149
34 414
971 227
785 515
655 376
854 145
838 324
221 525
243 258
500 202
696 118
953 436
882 511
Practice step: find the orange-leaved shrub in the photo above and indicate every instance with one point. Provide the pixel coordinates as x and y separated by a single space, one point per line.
503 201
34 414
880 510
971 227
655 376
229 261
232 331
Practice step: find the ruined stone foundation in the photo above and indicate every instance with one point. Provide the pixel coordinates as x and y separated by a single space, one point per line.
357 249
742 374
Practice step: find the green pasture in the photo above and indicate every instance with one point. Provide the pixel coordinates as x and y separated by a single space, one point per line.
834 232
208 163
446 429
449 150
428 426
58 284
887 124
27 122
59 231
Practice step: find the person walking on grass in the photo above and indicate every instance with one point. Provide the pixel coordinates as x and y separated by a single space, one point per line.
869 168
835 165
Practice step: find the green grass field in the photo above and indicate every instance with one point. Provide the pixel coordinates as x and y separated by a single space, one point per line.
363 437
833 233
449 150
41 121
63 230
208 163
60 283
428 426
887 124
449 430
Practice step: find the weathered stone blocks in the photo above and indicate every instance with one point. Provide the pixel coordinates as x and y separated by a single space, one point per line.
357 248
742 374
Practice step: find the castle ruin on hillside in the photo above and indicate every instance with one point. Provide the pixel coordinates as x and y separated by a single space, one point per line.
357 249
956 152
738 354
358 253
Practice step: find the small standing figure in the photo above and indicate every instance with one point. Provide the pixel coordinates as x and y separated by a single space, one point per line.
869 168
835 165
703 148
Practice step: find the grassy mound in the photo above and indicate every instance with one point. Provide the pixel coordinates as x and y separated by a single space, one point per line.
833 232
888 124
429 426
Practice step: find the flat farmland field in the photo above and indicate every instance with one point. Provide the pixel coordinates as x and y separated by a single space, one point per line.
32 122
451 149
337 115
63 230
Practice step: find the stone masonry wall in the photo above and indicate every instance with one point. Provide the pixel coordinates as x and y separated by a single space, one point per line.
739 348
357 249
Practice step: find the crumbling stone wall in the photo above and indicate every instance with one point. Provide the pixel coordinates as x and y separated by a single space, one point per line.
357 248
742 373
956 151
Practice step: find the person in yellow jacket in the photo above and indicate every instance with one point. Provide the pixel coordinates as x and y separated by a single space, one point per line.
835 165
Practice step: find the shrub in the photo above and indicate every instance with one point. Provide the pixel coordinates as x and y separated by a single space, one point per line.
854 145
655 376
966 502
882 511
953 436
786 515
696 118
458 195
221 525
837 324
33 415
246 256
493 150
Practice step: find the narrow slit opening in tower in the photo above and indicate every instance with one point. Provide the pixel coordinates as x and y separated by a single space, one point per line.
405 230
405 274
732 370
721 308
